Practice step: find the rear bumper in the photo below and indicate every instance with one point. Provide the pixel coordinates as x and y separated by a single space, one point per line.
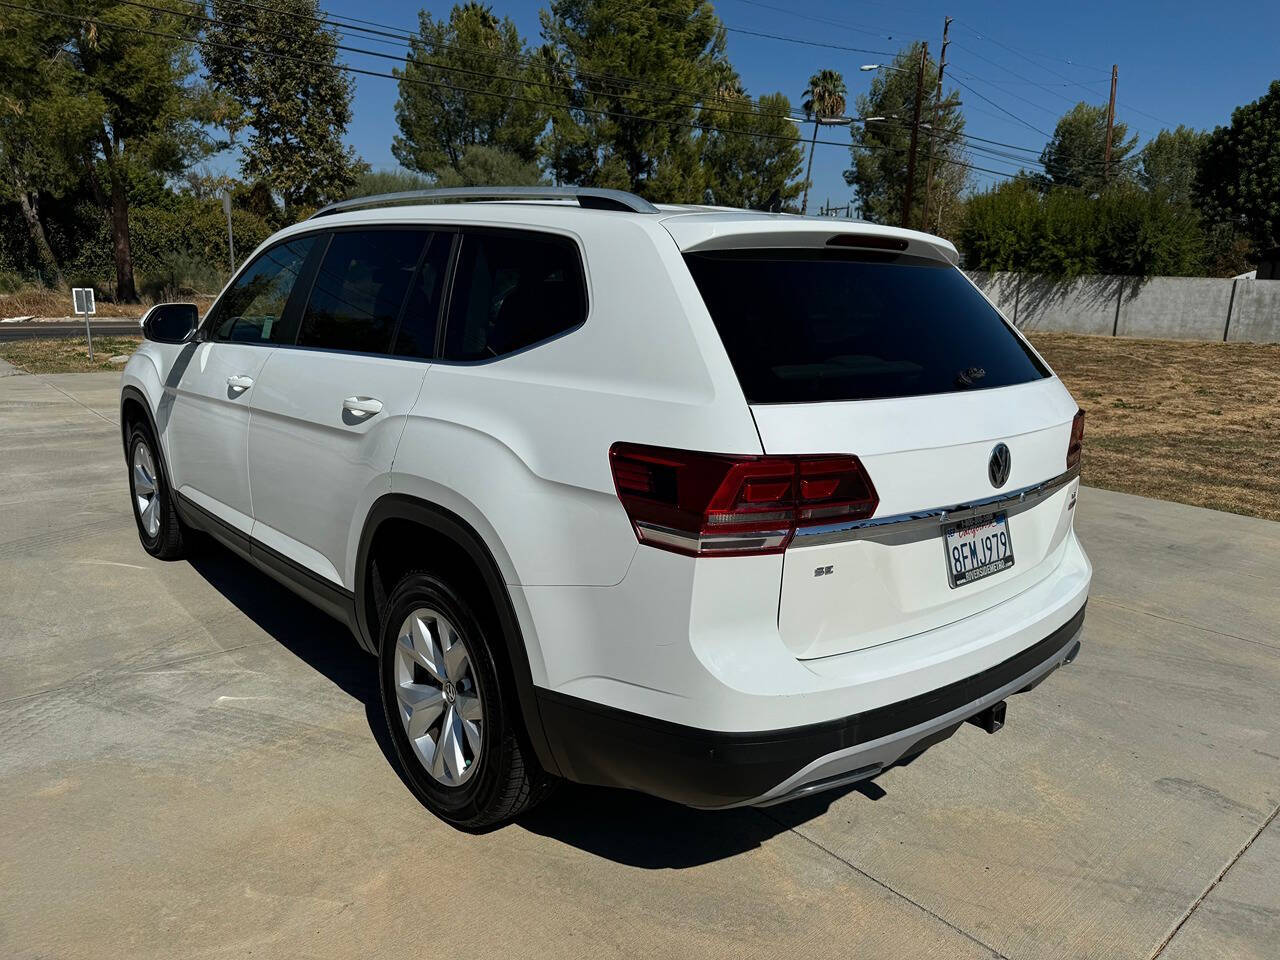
606 746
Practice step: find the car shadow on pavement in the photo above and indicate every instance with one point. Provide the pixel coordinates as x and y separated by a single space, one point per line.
619 825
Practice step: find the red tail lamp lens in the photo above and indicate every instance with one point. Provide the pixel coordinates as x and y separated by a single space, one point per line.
714 504
1075 447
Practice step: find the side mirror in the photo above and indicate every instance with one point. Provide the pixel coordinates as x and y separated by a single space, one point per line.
170 322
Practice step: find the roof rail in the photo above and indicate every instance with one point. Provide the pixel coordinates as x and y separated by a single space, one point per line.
593 198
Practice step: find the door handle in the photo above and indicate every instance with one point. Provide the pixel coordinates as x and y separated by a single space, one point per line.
362 406
239 383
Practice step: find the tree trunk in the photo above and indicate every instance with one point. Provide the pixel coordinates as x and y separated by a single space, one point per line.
125 291
31 213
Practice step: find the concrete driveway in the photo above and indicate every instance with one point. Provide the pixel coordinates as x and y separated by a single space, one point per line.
192 765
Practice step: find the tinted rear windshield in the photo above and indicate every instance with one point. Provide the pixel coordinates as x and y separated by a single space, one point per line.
813 325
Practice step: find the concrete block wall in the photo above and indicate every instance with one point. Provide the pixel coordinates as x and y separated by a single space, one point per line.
1178 308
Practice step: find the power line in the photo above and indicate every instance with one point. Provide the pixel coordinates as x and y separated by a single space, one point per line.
1025 123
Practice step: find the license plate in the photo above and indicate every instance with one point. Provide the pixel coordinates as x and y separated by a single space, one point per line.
977 548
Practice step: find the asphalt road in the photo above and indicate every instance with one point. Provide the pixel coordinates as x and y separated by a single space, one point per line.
33 330
193 765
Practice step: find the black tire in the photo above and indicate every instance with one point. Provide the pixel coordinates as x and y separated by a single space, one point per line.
507 780
169 541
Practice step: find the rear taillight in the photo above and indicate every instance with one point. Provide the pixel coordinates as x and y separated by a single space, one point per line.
710 504
1076 445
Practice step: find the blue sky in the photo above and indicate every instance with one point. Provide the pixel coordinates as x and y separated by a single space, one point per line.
1180 62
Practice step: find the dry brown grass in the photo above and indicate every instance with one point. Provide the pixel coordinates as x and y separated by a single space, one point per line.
39 302
67 356
1189 421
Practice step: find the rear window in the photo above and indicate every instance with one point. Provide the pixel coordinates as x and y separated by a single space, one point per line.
820 325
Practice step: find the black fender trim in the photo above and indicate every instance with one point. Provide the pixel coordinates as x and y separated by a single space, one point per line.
396 506
605 746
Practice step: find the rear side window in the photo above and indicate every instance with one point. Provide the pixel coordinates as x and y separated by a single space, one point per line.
512 290
817 325
253 307
360 288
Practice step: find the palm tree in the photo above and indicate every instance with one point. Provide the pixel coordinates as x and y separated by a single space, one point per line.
823 100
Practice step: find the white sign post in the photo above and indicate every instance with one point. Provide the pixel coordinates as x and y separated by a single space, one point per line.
82 303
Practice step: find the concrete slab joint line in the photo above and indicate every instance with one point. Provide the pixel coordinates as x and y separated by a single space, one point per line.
1212 884
880 883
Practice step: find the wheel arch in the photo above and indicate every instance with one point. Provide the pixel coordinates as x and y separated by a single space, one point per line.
388 521
134 406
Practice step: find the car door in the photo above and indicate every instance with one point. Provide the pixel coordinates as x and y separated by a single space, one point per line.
204 416
328 411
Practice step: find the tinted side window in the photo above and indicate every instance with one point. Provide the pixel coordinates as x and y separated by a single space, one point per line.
253 307
512 290
417 334
359 289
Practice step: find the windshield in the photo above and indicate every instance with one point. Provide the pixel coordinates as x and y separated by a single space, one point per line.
820 325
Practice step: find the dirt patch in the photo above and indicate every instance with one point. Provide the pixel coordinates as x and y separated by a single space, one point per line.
1189 421
67 356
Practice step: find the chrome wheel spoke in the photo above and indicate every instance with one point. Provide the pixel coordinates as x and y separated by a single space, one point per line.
423 706
142 482
456 661
151 517
427 649
469 707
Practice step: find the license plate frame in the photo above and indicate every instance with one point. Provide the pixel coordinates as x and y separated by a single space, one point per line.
965 533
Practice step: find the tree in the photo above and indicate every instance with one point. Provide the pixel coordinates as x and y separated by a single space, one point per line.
42 123
1169 163
751 152
277 66
1065 232
637 134
1239 176
824 99
458 89
1076 154
139 81
880 146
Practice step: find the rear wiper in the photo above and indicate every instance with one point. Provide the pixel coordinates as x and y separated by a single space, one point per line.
967 378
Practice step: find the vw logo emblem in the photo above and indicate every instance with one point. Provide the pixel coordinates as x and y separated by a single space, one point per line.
1000 464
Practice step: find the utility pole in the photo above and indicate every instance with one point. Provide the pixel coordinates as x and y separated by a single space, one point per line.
1111 120
933 127
915 137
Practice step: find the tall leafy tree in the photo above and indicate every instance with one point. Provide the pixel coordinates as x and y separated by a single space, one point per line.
1076 154
880 146
636 134
824 99
751 151
1239 176
147 105
465 84
1169 163
277 64
43 123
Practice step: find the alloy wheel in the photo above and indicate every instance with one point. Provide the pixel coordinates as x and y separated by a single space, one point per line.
146 495
437 696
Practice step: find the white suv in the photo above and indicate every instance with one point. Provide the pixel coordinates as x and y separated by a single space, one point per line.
723 506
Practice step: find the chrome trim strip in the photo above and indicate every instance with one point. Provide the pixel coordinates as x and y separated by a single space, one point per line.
928 522
711 543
